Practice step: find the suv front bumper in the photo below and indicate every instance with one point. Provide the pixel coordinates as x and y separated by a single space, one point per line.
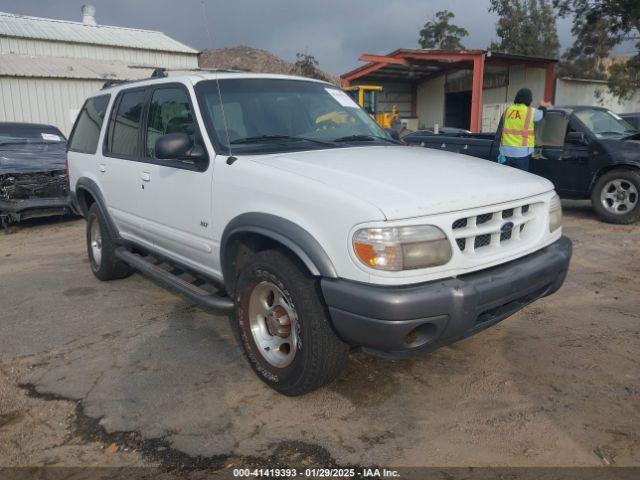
413 320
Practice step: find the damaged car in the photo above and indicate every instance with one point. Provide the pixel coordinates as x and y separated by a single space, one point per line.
33 172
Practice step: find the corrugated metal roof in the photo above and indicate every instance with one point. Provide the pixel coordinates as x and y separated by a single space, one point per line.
79 68
22 26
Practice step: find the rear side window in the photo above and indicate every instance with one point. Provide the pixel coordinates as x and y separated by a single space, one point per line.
84 137
123 136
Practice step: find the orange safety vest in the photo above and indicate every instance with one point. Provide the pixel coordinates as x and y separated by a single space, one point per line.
517 129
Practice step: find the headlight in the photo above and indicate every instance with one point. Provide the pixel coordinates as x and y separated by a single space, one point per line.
555 213
402 248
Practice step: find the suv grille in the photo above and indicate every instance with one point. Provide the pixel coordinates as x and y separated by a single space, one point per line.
477 233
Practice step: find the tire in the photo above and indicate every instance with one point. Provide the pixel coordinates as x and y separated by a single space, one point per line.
616 196
277 302
101 249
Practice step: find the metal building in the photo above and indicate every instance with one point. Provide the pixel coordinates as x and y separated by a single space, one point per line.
455 88
49 66
471 89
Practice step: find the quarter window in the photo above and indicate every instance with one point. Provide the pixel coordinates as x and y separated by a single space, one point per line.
170 112
84 138
124 130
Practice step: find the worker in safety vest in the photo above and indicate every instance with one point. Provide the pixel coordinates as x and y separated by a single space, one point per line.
518 137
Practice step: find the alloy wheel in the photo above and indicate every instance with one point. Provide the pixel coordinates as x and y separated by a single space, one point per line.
274 324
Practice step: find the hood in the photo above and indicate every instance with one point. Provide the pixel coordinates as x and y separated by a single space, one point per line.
625 150
32 157
406 182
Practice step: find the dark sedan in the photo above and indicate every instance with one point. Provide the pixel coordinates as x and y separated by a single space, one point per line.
33 173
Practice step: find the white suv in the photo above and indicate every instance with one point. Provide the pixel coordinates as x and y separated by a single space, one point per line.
279 201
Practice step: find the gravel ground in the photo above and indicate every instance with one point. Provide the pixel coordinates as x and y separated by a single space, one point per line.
126 373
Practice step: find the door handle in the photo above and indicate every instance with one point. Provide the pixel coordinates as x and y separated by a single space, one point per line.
145 176
102 167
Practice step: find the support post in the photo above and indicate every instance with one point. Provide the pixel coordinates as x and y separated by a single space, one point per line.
414 99
476 93
550 82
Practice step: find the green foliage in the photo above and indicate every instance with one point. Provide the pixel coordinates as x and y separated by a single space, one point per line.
624 78
598 26
307 66
439 33
587 56
526 27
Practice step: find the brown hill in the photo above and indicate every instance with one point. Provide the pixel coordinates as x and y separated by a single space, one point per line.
251 59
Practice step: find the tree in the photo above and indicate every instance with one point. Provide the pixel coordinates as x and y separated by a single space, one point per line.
598 27
526 27
439 33
307 66
587 57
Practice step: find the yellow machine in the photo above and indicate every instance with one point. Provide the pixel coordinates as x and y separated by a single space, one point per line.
366 97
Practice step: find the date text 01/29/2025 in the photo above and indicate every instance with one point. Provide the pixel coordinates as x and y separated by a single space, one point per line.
315 472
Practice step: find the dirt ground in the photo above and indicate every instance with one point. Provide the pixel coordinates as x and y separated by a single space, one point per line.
126 373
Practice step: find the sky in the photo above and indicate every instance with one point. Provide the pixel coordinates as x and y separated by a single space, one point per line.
336 32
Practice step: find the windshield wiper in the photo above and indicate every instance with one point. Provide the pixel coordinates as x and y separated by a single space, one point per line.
364 138
278 138
611 133
20 141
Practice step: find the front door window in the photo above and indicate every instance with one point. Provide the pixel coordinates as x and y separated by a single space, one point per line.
169 112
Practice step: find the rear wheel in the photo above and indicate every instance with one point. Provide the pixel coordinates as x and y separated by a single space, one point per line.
101 248
283 325
615 197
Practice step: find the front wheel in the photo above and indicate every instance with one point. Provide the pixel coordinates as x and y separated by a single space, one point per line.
615 196
284 327
101 249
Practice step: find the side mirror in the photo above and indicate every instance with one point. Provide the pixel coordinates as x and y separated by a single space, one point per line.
577 138
393 133
177 146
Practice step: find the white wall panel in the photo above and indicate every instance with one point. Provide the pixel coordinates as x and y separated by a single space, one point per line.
494 95
430 102
43 100
572 92
531 78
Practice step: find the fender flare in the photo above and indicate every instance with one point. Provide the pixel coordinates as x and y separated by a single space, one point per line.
612 166
92 188
283 231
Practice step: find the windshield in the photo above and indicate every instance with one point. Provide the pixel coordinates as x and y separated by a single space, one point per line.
605 124
269 115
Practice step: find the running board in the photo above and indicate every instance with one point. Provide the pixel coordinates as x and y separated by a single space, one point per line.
211 300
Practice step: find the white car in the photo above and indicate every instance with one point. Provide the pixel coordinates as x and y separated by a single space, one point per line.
280 202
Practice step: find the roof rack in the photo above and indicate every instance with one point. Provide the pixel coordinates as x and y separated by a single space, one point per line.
112 83
161 72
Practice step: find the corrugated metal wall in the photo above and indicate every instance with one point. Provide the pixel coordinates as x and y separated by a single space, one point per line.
55 101
43 48
43 100
393 93
529 77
